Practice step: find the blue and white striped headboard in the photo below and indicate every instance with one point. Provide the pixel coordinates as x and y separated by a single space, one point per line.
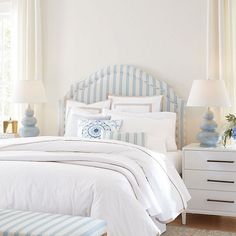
125 80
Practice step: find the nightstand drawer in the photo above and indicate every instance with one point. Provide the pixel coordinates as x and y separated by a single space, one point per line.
212 201
210 180
210 160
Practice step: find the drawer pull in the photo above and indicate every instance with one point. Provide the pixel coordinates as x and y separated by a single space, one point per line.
220 181
218 161
222 201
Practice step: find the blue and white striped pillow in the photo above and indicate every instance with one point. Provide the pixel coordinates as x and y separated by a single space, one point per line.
137 138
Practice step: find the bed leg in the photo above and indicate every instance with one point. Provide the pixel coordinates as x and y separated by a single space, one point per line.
184 218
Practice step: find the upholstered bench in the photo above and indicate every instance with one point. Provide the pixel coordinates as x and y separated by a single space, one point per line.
26 223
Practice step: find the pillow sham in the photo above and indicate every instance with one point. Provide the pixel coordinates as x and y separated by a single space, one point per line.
152 115
77 114
170 118
93 108
77 110
136 104
92 129
134 138
155 126
156 143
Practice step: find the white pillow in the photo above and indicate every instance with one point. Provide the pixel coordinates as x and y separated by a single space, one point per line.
136 104
153 115
77 114
155 125
93 108
156 143
148 141
78 110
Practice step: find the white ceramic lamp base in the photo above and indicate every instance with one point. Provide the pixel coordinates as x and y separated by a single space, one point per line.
29 121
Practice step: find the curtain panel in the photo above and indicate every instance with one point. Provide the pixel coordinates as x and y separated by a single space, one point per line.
27 47
221 46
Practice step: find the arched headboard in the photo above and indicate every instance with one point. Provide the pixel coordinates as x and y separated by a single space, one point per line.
125 80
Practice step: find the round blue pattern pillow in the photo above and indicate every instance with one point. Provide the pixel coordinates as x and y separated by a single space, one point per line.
92 129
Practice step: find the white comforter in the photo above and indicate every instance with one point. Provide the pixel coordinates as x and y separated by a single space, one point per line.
124 184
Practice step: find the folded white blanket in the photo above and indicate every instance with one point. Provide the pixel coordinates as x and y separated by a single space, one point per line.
155 186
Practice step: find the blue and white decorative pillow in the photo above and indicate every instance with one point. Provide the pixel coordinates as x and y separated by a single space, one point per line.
137 138
92 129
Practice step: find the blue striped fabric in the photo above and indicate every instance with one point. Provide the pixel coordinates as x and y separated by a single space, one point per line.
25 223
127 80
134 138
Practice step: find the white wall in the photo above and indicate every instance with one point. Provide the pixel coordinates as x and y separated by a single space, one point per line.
165 37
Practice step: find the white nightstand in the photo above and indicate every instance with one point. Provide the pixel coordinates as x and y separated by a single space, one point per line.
210 176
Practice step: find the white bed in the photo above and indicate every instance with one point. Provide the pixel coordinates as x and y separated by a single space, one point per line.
127 80
130 187
175 157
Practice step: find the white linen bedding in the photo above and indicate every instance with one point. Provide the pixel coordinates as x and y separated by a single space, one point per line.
175 157
124 184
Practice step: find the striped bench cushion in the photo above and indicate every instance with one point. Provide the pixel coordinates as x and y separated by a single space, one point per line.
26 223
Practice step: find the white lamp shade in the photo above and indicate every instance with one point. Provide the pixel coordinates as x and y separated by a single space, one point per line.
208 93
29 91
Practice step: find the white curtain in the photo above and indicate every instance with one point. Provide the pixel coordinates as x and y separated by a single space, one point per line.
27 45
221 45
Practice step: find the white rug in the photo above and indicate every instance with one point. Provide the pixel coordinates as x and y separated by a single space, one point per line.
186 231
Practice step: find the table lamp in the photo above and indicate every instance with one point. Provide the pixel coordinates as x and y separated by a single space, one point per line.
208 93
29 92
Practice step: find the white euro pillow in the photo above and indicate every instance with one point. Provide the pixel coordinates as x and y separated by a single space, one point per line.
73 118
76 111
156 143
136 104
153 115
144 121
93 108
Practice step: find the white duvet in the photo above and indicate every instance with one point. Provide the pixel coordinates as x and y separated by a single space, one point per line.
128 186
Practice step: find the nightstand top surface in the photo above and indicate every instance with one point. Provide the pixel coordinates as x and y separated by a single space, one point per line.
196 147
